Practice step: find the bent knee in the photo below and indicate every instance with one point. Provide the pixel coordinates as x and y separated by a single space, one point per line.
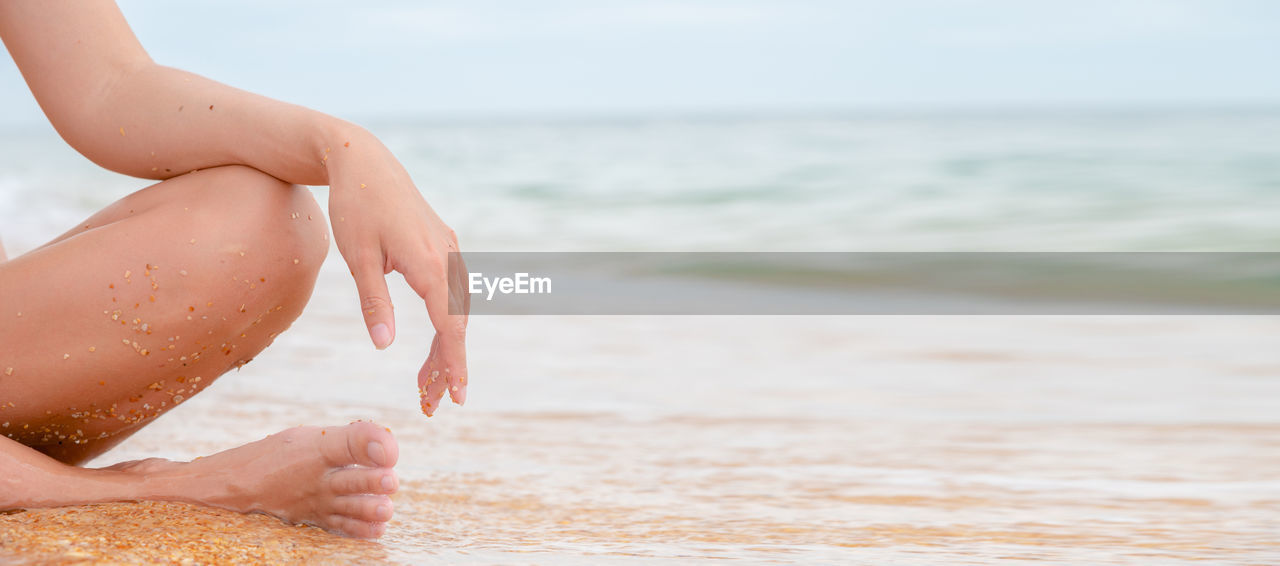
271 223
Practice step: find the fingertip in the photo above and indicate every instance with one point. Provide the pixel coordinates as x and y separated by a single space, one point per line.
457 390
381 335
428 408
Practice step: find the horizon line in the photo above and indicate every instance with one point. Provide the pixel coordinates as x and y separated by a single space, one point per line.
987 109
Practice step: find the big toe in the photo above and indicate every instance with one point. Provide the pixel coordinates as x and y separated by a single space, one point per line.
364 444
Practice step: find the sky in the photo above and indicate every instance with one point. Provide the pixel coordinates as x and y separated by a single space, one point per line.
500 58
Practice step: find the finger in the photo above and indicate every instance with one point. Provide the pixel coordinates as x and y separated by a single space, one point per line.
453 347
434 287
375 302
435 393
431 385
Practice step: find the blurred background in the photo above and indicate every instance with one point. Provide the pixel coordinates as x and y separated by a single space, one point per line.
756 125
770 125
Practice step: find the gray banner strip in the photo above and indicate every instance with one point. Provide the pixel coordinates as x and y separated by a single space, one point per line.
825 283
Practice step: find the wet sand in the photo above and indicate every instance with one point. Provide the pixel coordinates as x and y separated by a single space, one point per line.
972 493
590 440
161 532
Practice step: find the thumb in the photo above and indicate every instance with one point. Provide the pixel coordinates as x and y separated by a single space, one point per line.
375 303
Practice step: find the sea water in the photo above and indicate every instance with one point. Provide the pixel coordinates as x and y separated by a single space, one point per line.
855 439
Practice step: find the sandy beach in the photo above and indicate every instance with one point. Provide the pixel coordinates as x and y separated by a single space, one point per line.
1020 304
760 439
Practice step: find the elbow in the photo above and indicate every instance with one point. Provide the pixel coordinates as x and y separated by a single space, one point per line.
102 122
109 154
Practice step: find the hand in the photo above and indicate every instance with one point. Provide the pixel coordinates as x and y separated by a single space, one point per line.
381 223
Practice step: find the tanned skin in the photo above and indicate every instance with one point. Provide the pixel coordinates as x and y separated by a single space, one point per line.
147 302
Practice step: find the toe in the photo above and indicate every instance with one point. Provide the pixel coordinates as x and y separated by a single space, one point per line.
365 444
351 481
355 527
367 508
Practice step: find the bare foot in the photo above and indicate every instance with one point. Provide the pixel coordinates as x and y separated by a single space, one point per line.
337 478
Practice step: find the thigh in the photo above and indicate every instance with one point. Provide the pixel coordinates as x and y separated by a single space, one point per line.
146 302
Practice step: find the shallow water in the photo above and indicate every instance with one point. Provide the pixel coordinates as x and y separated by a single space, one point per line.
907 439
857 439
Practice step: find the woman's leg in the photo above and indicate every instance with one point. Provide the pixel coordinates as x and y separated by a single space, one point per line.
148 302
143 306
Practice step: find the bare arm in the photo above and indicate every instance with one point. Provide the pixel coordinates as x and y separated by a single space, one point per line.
112 103
117 107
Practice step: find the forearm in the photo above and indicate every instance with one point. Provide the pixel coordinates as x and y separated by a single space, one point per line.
111 102
157 122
